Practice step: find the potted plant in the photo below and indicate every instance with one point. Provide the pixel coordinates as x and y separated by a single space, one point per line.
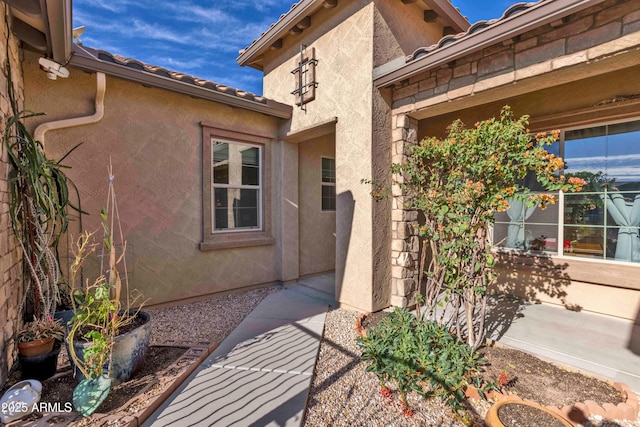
37 337
107 339
38 345
38 211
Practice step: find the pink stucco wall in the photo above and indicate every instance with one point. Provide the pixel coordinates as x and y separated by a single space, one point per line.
153 138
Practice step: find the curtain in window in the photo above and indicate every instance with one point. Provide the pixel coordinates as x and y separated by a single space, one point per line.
518 213
627 216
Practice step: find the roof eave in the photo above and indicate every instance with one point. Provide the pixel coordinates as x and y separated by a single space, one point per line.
538 15
44 26
87 63
278 30
449 13
60 27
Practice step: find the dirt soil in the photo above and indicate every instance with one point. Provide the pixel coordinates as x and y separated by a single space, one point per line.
527 376
59 389
532 378
158 358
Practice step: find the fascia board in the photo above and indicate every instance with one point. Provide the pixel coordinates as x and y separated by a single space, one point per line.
59 25
278 30
451 14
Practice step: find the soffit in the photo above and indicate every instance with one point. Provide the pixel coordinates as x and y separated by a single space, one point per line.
516 20
300 17
96 60
313 131
43 26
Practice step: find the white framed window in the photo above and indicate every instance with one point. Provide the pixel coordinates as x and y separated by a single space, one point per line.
236 186
600 222
328 184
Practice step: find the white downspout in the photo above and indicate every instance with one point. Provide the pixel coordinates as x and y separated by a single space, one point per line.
101 86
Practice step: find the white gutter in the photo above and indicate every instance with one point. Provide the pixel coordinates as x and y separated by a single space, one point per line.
101 86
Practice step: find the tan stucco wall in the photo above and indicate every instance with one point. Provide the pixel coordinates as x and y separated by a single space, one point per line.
317 227
349 41
10 265
154 140
344 91
597 286
400 30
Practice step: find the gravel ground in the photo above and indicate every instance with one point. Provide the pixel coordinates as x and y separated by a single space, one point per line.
344 394
208 320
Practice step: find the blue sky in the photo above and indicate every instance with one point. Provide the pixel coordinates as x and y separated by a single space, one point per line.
202 38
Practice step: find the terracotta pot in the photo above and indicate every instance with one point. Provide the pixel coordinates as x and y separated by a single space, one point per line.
36 348
492 419
359 329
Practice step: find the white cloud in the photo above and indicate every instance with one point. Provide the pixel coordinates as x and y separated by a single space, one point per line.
189 12
116 6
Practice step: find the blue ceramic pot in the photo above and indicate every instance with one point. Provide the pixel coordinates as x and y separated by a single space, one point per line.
129 351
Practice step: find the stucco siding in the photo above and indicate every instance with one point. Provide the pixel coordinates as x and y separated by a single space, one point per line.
153 138
400 30
343 42
317 227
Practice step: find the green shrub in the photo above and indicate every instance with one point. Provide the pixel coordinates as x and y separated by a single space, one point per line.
419 355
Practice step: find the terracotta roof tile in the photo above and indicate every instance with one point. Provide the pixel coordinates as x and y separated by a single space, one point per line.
174 75
293 6
478 26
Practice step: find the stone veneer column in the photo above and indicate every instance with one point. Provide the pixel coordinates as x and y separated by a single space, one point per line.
404 240
10 265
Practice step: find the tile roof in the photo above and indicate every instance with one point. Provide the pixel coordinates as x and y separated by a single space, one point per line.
475 28
293 6
134 64
284 15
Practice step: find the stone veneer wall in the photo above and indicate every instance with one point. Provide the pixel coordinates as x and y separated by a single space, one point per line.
588 35
592 34
405 244
10 267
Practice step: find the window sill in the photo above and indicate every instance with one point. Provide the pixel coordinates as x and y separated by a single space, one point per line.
236 240
595 271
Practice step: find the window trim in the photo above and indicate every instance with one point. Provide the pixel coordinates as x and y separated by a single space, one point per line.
226 239
259 187
559 254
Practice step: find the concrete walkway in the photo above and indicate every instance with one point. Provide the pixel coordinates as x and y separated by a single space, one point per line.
260 375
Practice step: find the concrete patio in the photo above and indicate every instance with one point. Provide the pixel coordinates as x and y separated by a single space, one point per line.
602 345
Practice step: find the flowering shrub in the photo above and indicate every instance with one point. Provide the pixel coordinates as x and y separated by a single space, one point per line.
457 183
